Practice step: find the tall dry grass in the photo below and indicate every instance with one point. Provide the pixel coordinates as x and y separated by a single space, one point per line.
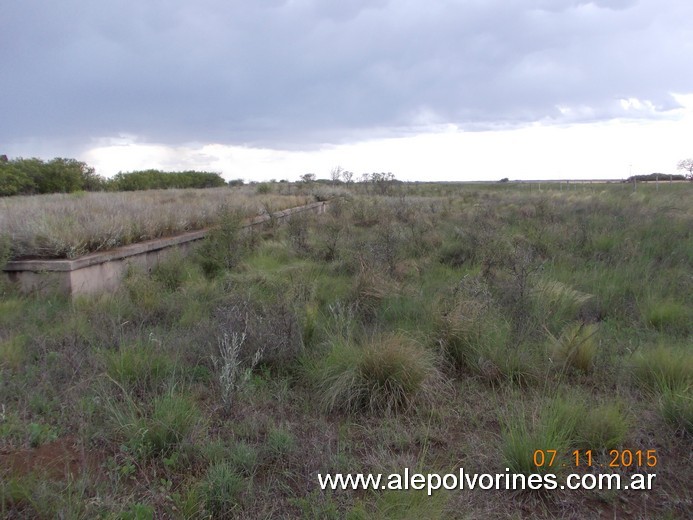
71 225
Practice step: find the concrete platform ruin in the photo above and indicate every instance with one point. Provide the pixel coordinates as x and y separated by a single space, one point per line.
104 271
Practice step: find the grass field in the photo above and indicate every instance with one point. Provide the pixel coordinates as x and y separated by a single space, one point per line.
434 327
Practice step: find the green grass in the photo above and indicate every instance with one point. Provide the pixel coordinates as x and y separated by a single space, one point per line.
383 374
383 342
664 368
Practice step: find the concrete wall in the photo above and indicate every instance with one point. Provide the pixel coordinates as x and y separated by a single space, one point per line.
104 271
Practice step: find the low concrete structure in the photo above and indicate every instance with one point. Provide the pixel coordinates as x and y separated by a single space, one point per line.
104 271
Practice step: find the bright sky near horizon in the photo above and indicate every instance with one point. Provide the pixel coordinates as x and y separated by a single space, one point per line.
272 89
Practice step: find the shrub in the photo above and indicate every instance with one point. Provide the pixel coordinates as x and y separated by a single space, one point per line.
222 248
233 375
385 374
263 188
171 272
297 230
272 330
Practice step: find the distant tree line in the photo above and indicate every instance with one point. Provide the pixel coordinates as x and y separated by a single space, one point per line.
157 179
656 177
35 176
59 175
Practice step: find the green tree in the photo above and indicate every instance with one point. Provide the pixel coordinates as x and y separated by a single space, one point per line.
14 181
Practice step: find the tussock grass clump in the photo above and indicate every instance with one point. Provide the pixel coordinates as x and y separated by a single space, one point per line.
222 488
156 430
576 347
669 316
524 433
603 427
464 325
676 406
384 374
668 372
370 287
563 423
13 352
139 367
558 302
475 337
280 443
664 369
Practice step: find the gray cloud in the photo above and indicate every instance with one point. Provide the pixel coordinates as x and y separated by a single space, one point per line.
296 73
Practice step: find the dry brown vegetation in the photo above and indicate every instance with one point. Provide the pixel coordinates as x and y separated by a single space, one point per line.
71 225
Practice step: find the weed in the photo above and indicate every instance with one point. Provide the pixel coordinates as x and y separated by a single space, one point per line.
222 248
232 376
280 443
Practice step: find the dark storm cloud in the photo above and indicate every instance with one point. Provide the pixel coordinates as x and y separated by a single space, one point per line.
302 72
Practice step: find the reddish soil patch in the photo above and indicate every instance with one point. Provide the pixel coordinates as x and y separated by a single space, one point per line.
56 460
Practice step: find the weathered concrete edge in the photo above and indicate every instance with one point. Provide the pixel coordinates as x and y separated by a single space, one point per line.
64 265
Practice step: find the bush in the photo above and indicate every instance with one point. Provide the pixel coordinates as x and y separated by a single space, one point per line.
263 188
222 248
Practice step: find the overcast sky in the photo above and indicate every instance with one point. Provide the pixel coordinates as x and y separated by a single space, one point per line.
444 89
